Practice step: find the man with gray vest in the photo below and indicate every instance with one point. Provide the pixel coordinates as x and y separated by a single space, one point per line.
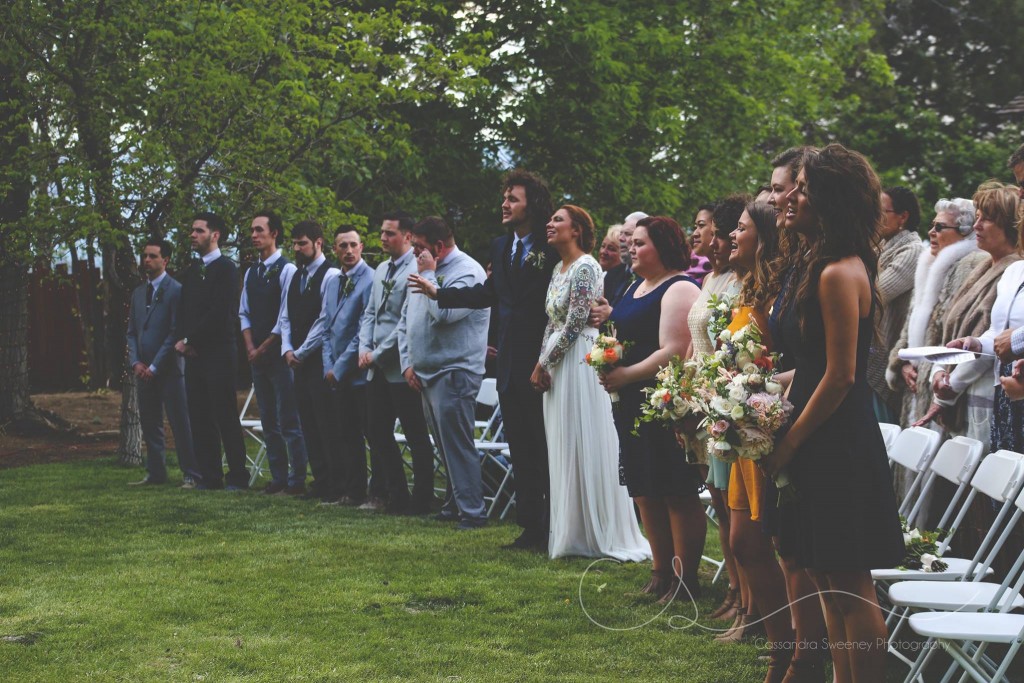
159 372
301 337
442 351
388 395
258 313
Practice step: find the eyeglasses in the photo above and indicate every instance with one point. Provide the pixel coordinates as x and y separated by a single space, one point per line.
939 227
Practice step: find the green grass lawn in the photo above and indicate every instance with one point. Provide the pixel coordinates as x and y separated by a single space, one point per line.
105 582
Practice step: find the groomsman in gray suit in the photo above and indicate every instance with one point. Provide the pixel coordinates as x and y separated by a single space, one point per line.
387 393
442 352
346 295
159 372
259 311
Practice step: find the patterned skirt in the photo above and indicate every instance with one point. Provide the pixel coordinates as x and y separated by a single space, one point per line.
1007 418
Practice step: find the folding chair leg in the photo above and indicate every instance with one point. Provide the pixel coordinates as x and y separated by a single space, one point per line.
918 667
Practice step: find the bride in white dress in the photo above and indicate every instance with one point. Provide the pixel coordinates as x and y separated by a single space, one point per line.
591 514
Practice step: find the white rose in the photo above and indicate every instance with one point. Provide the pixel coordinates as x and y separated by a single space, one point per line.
915 535
758 351
723 307
750 368
737 413
773 388
725 335
737 393
742 359
926 561
721 405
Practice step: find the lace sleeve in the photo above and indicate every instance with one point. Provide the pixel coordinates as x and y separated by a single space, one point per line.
582 293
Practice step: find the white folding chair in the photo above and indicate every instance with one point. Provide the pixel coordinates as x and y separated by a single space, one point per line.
913 449
490 429
254 430
974 614
889 433
955 462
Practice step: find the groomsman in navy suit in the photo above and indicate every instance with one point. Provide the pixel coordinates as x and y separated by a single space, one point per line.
159 372
209 318
522 263
346 295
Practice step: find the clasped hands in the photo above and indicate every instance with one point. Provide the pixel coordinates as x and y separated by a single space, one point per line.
142 371
540 379
187 350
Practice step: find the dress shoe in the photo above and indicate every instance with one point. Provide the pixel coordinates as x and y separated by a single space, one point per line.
148 481
273 487
210 486
296 490
421 507
311 494
445 517
471 524
373 505
236 487
188 483
401 507
527 541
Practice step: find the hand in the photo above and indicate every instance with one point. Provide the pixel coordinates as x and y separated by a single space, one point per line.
933 412
599 312
255 354
540 379
1018 370
365 360
140 370
779 458
941 387
420 285
1002 346
1013 386
966 343
424 262
332 381
180 347
293 362
909 373
613 380
412 380
492 352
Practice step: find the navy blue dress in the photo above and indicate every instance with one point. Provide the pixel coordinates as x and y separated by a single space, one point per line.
651 463
845 514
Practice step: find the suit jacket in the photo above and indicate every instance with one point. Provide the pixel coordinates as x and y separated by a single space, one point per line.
209 304
341 314
616 282
151 333
517 295
378 330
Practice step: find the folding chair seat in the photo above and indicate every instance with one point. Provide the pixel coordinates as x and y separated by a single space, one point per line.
889 433
914 449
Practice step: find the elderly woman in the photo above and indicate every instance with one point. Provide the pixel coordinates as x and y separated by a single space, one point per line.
897 259
609 256
965 395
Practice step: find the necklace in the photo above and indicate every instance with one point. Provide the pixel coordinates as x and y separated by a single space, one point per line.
644 288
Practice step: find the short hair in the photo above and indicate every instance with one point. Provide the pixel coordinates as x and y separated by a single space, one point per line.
727 213
214 222
904 199
582 221
613 232
165 246
963 208
273 223
345 227
310 229
708 206
792 159
403 218
669 241
538 197
1016 158
434 229
999 202
636 216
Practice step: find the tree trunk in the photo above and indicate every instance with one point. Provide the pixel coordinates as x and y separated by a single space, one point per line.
129 447
14 397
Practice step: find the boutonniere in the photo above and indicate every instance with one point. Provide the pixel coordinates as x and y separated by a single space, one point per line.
537 259
349 285
389 286
440 280
202 269
272 271
158 295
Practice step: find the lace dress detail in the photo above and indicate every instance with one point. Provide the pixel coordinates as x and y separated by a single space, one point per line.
568 301
726 284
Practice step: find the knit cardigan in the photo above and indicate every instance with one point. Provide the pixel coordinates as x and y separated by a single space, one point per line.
895 287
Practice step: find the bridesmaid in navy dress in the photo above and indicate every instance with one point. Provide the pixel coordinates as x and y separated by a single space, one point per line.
846 521
652 315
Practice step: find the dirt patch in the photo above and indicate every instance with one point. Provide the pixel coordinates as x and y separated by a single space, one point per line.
96 417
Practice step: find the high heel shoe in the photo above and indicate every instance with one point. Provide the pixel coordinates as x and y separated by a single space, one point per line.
729 606
805 670
779 666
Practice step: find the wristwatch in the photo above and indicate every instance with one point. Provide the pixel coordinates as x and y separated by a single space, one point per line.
185 341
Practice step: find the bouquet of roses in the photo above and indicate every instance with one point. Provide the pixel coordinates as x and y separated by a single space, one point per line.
721 311
673 397
922 549
743 404
606 353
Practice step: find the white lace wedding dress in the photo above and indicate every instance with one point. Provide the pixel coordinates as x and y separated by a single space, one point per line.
591 514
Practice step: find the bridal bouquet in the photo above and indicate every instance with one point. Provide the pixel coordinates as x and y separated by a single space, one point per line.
743 404
922 549
721 311
605 354
674 395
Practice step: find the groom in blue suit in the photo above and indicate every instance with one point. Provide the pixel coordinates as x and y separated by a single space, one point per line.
521 266
346 295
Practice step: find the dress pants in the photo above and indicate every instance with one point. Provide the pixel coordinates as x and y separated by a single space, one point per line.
522 413
166 392
346 454
213 413
275 394
386 401
316 414
449 404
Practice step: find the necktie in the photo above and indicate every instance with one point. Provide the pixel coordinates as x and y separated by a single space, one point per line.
261 270
342 279
516 251
392 267
302 279
149 294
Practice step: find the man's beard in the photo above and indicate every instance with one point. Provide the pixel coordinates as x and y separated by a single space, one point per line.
302 260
